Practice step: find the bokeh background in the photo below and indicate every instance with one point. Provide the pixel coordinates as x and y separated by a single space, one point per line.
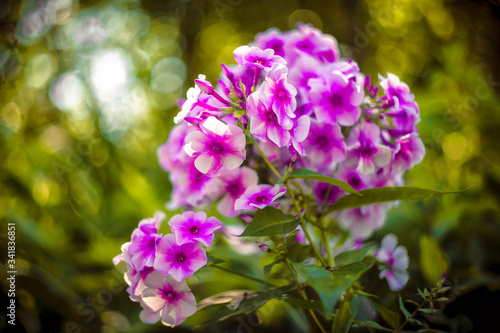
88 92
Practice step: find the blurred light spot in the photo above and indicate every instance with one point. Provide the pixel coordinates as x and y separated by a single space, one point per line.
66 91
54 138
39 70
391 59
109 74
11 116
45 191
116 320
168 75
32 25
455 145
90 31
305 16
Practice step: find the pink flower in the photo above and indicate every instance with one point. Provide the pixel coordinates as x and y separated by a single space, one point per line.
396 258
166 299
264 123
190 227
256 57
365 153
278 94
325 144
336 99
363 221
143 243
179 261
259 196
216 145
232 184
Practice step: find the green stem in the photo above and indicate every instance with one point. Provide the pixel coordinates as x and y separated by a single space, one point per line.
244 275
411 316
304 295
266 160
328 248
304 226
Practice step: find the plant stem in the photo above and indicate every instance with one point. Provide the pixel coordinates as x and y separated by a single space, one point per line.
295 203
304 226
411 316
244 275
266 160
304 295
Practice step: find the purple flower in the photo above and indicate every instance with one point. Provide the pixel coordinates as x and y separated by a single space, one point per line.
299 133
325 144
190 227
409 151
271 39
364 151
179 261
190 186
193 95
321 190
166 299
232 184
278 94
264 123
363 221
336 99
171 153
143 242
259 196
256 57
397 259
216 145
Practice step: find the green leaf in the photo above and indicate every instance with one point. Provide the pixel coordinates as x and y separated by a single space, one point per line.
270 221
309 174
225 297
403 308
249 305
361 308
392 318
211 259
433 262
268 268
330 285
371 324
308 304
349 257
385 194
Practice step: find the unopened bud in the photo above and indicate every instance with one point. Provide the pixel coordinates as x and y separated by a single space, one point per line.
244 120
204 86
263 247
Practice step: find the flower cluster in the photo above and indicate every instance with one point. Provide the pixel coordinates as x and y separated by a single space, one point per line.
289 102
157 265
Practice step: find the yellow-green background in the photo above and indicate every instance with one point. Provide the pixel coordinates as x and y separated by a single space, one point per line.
77 188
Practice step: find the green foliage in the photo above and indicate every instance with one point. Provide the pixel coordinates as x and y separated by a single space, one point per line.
385 194
330 285
249 304
309 174
352 256
270 221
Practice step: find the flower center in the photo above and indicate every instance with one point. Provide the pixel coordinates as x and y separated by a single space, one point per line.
354 182
181 257
366 150
216 148
271 116
234 189
169 295
282 94
261 199
260 61
336 100
194 230
322 141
